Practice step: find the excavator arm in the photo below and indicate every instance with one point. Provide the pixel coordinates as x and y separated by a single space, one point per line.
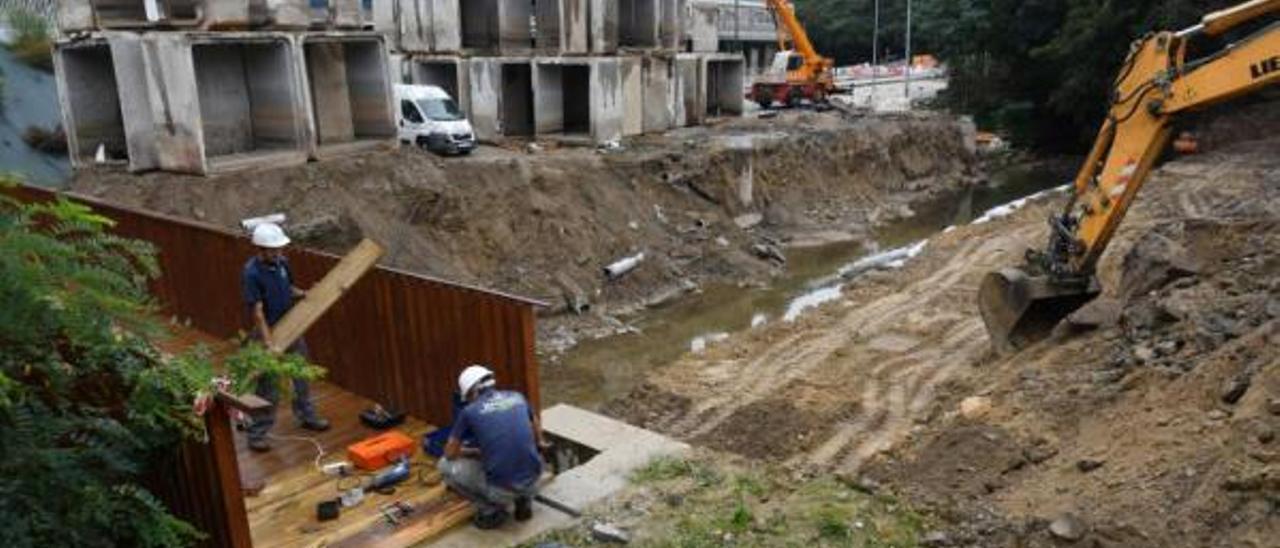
1155 85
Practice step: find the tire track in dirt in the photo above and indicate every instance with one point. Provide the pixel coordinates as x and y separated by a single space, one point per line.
896 386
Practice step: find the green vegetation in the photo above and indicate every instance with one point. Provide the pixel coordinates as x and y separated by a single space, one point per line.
32 41
702 501
88 405
1039 70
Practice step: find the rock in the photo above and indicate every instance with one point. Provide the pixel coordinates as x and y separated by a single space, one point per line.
975 407
1101 312
748 220
1266 436
608 532
1067 527
1273 406
1235 388
550 544
769 252
1089 465
1144 353
1217 415
935 538
1154 261
1273 307
1167 347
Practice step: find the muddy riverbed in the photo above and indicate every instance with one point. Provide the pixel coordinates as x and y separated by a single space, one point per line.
597 371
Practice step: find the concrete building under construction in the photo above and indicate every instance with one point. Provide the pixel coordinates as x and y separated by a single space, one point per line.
209 86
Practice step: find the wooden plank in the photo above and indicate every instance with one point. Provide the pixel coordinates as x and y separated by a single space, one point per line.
227 474
324 294
247 403
424 524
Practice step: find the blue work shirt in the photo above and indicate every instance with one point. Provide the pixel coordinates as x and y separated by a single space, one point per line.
500 423
268 283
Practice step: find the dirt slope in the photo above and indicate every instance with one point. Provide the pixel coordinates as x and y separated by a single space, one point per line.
544 223
1156 429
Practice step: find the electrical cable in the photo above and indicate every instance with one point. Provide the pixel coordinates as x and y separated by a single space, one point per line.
319 448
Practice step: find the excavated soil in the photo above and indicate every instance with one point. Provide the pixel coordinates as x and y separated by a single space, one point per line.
542 220
1151 420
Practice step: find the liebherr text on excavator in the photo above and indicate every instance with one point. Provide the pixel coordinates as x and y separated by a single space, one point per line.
1156 85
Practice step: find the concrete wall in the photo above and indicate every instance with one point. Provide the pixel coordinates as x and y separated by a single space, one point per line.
515 35
670 22
91 103
632 96
574 26
548 98
701 27
725 76
486 88
326 64
658 79
689 74
547 14
606 101
449 73
74 16
603 21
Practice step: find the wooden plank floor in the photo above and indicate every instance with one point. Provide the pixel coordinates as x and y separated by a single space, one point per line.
283 513
283 485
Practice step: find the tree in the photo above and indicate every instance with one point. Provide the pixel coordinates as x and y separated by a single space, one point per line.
1039 70
88 405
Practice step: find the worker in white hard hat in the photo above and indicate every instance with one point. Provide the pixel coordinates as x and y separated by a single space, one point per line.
269 292
503 466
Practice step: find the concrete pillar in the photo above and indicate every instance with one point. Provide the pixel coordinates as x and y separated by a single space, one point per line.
548 34
171 77
486 88
638 23
671 21
693 88
632 96
657 78
90 101
386 21
604 26
574 25
702 26
606 101
415 27
446 25
330 94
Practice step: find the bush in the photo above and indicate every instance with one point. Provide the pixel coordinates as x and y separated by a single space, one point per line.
32 43
88 405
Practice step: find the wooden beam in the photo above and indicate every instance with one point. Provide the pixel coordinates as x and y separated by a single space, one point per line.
324 294
247 403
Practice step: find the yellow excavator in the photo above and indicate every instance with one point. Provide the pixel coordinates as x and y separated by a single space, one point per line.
798 71
1156 85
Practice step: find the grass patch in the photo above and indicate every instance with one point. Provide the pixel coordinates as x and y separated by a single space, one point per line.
703 500
667 468
32 41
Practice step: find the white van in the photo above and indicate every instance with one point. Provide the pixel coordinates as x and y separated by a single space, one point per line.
429 118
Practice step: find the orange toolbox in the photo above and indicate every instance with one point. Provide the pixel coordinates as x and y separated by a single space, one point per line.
380 451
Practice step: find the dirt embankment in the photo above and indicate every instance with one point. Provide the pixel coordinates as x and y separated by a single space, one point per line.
1155 427
543 223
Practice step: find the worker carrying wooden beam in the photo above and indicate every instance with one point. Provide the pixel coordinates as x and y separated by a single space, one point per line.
269 293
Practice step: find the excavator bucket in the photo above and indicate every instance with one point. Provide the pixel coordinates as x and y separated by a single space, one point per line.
1020 309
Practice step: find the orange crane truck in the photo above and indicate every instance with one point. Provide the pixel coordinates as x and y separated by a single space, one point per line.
798 71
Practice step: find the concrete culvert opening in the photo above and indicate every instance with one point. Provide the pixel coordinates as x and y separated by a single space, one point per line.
93 103
724 88
348 90
563 99
638 23
479 22
442 74
248 97
517 99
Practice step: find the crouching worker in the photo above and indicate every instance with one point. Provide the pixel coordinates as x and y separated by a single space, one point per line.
503 467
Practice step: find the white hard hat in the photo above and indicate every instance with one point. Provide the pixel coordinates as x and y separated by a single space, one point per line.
269 235
475 376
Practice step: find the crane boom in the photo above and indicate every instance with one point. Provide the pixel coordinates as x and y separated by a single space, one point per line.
1156 85
786 15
